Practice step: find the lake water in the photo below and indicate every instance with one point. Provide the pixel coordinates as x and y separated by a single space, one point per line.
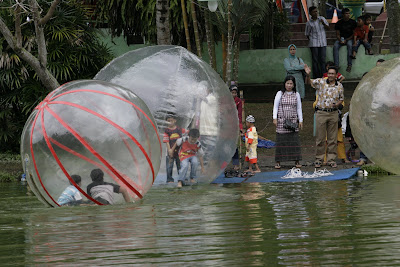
343 223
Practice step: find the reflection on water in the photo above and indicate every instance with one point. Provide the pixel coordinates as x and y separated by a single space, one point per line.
311 223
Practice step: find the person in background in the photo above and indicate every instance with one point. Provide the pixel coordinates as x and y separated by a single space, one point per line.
71 196
287 106
295 67
103 191
344 34
379 61
367 21
251 141
238 102
330 97
171 134
361 37
190 153
315 32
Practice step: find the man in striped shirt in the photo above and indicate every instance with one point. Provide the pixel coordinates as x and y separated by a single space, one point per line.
315 32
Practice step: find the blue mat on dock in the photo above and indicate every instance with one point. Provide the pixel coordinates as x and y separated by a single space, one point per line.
269 177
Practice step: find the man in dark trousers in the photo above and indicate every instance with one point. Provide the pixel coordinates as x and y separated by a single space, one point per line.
344 35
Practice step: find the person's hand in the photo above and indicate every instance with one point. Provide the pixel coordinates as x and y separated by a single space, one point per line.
307 69
203 171
275 121
300 125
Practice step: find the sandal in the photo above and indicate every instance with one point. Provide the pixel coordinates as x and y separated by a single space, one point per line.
317 164
297 165
332 164
277 166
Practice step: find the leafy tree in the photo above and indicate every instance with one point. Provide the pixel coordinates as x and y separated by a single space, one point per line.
75 52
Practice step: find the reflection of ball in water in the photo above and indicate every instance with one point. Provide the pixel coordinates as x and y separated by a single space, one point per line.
86 125
375 115
170 79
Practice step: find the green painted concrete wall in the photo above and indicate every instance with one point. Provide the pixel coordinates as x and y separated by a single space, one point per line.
264 66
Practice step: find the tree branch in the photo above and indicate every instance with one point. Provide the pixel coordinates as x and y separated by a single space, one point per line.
50 13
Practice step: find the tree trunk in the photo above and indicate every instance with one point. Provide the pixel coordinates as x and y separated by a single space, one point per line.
269 30
185 24
162 22
322 8
214 61
229 46
223 56
236 59
208 35
196 29
393 16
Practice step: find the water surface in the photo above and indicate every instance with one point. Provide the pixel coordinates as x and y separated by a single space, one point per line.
354 222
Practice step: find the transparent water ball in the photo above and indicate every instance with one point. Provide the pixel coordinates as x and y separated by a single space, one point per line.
375 115
87 125
171 80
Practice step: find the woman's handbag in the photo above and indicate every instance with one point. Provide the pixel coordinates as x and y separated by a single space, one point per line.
290 125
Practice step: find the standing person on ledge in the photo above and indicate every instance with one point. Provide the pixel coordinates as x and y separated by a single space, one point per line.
315 32
295 66
330 97
344 34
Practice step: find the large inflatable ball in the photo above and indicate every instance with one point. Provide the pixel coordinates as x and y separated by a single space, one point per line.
90 142
375 115
182 92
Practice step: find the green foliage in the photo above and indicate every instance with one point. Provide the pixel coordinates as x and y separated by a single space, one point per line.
374 169
74 52
138 17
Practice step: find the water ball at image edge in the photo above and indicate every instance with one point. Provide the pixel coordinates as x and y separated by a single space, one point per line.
375 115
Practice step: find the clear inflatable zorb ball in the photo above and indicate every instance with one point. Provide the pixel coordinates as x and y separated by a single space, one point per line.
375 115
94 130
174 82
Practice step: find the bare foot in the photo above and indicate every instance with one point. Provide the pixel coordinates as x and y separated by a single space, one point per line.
179 184
193 181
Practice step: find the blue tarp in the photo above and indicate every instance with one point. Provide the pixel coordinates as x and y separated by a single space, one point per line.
268 177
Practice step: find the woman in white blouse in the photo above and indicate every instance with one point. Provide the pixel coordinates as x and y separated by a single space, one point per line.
287 107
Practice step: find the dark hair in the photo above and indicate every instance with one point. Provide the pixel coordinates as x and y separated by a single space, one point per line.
367 16
291 78
311 9
97 175
77 179
380 60
329 63
233 87
170 115
361 18
345 10
195 133
333 68
364 74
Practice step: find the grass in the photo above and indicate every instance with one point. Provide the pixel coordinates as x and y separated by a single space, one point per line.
10 167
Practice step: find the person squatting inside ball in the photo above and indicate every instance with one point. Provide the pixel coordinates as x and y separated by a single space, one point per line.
190 153
102 191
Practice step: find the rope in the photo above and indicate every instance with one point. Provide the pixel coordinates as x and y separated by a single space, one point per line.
297 173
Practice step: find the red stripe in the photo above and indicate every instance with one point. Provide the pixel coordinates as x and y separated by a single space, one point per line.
113 124
120 98
46 138
33 157
93 151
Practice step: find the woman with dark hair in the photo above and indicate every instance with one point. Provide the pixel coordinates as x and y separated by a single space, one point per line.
288 119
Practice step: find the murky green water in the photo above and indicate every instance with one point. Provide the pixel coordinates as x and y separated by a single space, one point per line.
355 222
